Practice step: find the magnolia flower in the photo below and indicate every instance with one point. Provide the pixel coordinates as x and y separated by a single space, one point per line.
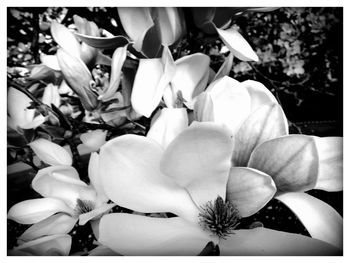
296 163
181 80
168 122
189 179
19 114
66 199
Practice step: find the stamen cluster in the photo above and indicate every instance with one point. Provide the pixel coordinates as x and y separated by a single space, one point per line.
219 217
84 206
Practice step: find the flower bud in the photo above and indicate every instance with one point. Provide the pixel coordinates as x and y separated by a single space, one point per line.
78 77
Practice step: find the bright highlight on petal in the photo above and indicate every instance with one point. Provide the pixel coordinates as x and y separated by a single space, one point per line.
292 162
319 218
267 242
51 153
230 102
129 170
168 125
199 160
135 235
249 190
34 210
147 92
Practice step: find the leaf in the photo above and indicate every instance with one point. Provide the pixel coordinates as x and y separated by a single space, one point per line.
104 42
237 44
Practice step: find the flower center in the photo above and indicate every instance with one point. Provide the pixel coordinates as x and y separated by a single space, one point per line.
219 217
84 206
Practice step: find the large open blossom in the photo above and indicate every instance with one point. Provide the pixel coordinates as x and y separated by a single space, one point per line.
297 163
66 199
188 179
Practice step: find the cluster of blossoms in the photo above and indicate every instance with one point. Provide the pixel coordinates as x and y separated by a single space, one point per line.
217 150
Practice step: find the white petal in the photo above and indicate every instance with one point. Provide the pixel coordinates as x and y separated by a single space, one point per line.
51 95
79 78
292 162
58 183
136 235
330 170
65 38
152 78
50 61
94 176
259 94
17 103
57 224
54 245
225 67
136 22
37 121
203 109
94 139
95 213
34 210
237 44
267 242
147 92
266 123
118 59
249 190
168 125
169 96
199 159
51 153
191 76
320 219
169 24
129 170
231 102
